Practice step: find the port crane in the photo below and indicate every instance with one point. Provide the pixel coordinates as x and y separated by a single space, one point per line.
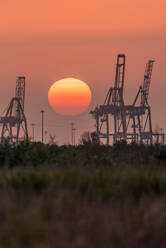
14 123
116 121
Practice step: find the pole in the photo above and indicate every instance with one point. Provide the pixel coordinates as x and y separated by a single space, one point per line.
42 113
74 129
45 132
72 125
33 131
72 134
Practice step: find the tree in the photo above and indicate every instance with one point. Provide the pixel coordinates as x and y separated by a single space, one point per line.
90 138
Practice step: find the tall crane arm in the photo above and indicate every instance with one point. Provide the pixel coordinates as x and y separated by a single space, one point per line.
20 90
146 83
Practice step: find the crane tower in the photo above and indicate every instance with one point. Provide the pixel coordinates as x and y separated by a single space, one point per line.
14 123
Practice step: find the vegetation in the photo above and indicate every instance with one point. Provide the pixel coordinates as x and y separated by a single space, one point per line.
83 196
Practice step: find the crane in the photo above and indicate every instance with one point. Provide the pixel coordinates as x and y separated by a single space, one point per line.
14 123
131 123
113 106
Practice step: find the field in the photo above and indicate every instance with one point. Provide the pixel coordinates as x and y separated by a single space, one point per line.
83 196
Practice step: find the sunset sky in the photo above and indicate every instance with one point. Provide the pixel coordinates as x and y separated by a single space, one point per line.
50 40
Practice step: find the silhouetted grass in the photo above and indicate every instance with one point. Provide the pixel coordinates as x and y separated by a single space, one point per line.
84 196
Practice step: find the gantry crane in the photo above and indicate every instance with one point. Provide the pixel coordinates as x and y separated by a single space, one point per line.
113 107
126 122
141 113
14 124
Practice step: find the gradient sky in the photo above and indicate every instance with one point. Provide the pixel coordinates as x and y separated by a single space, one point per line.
50 40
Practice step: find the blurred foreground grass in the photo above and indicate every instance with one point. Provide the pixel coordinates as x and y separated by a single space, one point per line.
85 196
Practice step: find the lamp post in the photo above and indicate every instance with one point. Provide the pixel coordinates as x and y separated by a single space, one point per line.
42 113
72 134
33 131
45 132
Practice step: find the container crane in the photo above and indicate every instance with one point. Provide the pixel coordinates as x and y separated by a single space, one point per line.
131 123
14 123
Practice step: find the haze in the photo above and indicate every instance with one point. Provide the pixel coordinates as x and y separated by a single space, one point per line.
50 40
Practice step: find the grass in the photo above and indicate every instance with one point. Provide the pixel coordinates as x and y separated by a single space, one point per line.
84 196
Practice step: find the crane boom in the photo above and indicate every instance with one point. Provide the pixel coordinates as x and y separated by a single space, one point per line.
20 95
117 97
146 83
20 90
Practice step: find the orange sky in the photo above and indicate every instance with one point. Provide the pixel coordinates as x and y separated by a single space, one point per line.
50 17
50 40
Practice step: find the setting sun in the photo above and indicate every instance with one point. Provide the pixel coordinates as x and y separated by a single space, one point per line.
69 96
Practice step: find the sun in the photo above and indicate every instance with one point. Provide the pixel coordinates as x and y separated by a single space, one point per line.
69 96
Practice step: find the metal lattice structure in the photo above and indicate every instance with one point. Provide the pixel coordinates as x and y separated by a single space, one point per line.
116 121
14 124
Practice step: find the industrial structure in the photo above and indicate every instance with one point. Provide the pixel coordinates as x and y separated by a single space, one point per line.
116 121
14 124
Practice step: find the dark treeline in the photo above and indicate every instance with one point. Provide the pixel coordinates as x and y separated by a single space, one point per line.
35 154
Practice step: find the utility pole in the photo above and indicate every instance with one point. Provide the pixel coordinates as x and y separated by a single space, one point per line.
74 129
45 132
33 131
72 134
42 113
